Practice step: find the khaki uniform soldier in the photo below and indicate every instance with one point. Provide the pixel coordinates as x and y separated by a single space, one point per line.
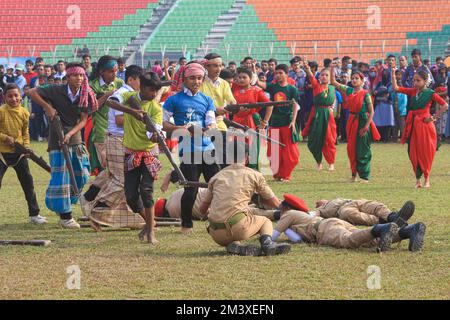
363 212
171 207
228 197
341 234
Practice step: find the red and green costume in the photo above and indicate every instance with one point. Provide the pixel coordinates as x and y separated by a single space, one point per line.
249 117
358 148
321 127
282 159
420 136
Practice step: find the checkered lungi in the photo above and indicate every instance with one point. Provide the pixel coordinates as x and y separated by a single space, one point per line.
59 196
112 192
117 214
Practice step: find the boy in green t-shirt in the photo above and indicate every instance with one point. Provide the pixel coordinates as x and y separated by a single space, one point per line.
282 125
141 150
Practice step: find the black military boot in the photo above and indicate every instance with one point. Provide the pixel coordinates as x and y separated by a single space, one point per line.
401 217
270 248
415 233
243 250
386 233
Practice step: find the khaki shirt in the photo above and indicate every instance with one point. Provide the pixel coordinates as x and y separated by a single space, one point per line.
300 222
231 189
173 204
331 209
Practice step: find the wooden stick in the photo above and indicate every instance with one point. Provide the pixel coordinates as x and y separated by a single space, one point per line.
43 243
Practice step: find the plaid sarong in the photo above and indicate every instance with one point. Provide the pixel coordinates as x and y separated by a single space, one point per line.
111 192
59 196
133 160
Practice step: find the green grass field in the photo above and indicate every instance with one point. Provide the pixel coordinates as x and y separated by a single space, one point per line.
115 265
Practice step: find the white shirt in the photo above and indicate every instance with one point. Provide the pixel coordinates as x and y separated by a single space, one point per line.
113 129
60 75
71 96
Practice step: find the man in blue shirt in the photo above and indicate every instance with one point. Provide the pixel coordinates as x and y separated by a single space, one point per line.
416 66
191 107
299 77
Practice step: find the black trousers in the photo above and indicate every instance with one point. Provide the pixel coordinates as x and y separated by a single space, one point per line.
192 172
25 178
139 188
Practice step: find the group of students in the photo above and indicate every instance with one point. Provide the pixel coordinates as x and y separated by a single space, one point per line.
104 130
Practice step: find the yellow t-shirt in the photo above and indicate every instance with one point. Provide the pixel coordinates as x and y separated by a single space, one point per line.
14 123
135 134
221 96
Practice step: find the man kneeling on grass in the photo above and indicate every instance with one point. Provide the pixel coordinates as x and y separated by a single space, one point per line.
300 226
229 194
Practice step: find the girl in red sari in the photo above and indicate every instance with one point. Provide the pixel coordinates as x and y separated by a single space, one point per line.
361 130
243 92
321 127
420 131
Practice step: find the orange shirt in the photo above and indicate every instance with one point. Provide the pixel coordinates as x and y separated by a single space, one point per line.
251 95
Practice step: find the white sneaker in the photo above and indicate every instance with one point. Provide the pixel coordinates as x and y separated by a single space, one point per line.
69 224
38 220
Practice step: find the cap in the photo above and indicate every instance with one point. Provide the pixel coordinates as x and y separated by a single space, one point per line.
295 202
159 207
20 67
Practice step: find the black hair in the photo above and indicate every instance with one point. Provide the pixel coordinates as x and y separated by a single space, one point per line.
48 66
84 56
151 80
39 59
398 71
119 60
232 63
346 58
50 77
226 74
101 64
133 71
264 61
426 61
391 56
283 67
416 52
61 61
181 58
74 64
247 58
246 71
273 60
29 62
11 86
295 60
327 62
439 58
423 75
212 55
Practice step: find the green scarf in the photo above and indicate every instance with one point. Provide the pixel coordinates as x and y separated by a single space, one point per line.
420 101
322 99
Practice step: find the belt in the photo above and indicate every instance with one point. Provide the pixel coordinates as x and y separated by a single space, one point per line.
316 225
231 221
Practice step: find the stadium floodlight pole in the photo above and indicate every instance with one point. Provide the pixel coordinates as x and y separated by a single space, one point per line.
184 49
97 50
383 48
271 46
106 49
75 53
338 48
407 45
206 48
